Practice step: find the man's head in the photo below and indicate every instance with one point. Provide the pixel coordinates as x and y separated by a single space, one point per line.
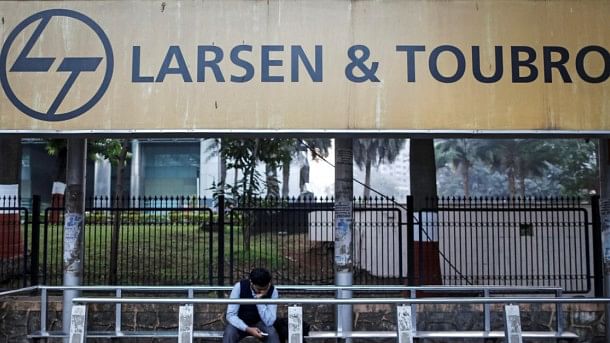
260 280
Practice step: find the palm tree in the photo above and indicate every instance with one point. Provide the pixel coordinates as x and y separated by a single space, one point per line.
375 151
460 155
519 159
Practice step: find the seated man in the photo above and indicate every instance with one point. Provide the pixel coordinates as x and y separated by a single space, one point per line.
252 320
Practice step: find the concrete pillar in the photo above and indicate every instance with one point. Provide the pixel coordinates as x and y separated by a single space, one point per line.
74 219
344 195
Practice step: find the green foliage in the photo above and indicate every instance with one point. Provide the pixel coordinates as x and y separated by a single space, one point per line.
510 167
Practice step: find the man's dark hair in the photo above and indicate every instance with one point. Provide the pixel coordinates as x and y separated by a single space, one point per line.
260 277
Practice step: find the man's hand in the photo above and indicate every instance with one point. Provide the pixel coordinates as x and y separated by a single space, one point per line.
256 332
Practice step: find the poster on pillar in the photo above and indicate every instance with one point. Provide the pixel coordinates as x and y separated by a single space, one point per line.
157 67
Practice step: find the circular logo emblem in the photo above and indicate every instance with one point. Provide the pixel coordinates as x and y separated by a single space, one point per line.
73 66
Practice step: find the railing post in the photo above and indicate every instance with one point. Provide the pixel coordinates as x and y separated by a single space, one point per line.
35 240
559 312
185 324
44 300
487 312
404 324
221 240
598 258
512 324
117 314
78 324
295 324
410 242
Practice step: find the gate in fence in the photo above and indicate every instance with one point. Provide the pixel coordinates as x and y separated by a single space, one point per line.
182 241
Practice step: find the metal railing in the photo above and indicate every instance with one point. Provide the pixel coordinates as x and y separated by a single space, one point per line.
487 295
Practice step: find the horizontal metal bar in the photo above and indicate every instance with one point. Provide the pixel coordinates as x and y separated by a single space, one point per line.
17 291
376 288
311 288
352 301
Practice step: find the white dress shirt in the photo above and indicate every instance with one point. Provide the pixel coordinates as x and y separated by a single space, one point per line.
267 312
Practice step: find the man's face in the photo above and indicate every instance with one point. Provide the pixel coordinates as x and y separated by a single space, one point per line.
259 290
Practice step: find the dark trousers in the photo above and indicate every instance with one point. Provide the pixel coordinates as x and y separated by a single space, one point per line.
234 335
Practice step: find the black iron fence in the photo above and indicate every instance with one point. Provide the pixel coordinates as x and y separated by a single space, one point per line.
180 240
144 241
513 242
17 259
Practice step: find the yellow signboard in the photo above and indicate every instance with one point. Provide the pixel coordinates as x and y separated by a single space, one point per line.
302 65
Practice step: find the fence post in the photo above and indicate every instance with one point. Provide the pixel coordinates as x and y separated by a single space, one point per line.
221 240
410 242
598 259
35 240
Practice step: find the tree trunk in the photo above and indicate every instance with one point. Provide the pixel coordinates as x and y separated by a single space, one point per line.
223 173
465 172
273 188
512 189
116 223
304 175
286 180
367 179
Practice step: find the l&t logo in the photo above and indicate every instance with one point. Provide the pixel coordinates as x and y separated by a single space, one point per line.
41 66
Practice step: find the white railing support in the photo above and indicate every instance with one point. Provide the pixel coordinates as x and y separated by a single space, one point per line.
295 324
404 324
78 324
185 324
512 324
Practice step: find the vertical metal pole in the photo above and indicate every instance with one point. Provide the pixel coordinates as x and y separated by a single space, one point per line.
344 195
598 255
221 240
35 240
487 312
117 313
73 224
410 242
604 210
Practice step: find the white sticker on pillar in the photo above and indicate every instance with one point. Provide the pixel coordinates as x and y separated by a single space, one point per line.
72 228
343 241
58 188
